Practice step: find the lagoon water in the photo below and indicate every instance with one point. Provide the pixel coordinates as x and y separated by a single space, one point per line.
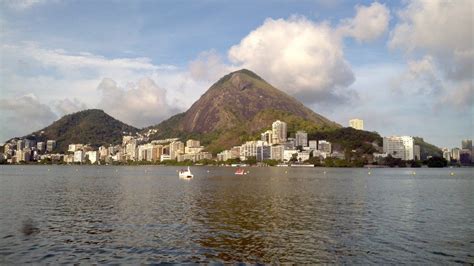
146 214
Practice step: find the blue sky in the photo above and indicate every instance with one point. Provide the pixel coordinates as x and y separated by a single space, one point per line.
406 68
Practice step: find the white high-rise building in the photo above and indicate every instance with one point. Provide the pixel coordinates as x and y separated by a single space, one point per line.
176 148
267 136
301 139
357 123
278 132
399 147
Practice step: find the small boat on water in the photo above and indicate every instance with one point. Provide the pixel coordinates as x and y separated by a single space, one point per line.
185 173
240 171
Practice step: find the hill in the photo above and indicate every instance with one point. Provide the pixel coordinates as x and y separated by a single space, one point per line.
93 127
238 107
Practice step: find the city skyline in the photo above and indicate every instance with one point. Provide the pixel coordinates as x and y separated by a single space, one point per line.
386 65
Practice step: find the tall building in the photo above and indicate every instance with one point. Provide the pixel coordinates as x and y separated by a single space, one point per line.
191 143
20 144
279 132
466 144
399 147
41 146
301 139
324 146
455 152
446 154
267 136
416 152
357 123
50 145
276 152
313 144
176 148
263 152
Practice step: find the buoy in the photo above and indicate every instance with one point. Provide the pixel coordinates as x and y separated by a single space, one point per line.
49 169
324 172
452 173
414 173
368 173
286 172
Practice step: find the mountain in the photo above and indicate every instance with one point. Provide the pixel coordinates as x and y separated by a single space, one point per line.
238 107
93 127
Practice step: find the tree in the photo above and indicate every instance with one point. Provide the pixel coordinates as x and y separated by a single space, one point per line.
437 162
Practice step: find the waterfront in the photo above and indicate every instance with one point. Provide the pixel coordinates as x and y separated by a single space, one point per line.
67 214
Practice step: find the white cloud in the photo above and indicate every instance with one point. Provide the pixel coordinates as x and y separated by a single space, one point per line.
208 66
369 23
140 104
441 33
301 57
67 106
22 115
22 4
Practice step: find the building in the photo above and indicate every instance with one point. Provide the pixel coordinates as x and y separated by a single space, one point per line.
465 156
249 149
267 136
277 152
20 144
466 144
50 145
176 148
313 144
75 147
263 152
289 154
357 123
191 143
455 154
194 157
279 132
446 154
301 139
79 156
324 146
92 156
416 152
41 146
399 147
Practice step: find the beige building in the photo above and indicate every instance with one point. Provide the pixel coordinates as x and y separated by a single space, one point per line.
279 132
357 123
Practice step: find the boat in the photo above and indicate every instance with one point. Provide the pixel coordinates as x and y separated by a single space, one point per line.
185 173
240 171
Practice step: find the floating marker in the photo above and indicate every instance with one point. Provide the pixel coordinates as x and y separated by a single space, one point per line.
414 173
368 173
452 173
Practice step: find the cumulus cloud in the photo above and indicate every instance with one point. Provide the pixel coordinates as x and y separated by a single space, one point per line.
420 77
139 104
22 115
369 23
297 55
67 106
442 32
208 66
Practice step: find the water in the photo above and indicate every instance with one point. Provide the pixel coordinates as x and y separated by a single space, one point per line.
68 214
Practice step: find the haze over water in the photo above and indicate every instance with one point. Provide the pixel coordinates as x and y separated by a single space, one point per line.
68 214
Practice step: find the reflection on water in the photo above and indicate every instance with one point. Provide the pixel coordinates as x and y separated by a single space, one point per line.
273 215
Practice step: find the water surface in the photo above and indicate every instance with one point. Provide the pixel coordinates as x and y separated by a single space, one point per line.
146 214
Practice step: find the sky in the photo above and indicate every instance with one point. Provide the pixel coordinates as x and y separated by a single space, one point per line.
405 68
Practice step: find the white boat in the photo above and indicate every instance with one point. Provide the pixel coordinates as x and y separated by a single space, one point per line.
185 173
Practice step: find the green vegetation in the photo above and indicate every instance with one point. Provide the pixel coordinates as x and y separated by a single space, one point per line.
427 149
93 127
436 162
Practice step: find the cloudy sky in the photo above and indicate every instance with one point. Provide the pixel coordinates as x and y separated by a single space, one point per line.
406 67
